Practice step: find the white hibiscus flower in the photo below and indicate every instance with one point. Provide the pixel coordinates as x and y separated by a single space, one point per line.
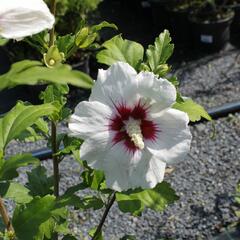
129 129
21 18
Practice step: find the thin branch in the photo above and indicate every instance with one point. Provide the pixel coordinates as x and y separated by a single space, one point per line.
99 228
55 158
5 217
52 31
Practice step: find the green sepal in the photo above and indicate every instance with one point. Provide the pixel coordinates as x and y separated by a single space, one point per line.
53 57
81 36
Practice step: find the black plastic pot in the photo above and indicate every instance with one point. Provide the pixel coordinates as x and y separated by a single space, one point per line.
133 18
9 97
235 27
159 15
211 35
179 26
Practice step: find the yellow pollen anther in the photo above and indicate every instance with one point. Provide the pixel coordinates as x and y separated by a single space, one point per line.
134 132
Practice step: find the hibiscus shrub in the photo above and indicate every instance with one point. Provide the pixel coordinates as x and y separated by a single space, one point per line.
134 125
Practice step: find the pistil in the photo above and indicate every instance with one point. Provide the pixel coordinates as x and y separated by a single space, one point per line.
133 130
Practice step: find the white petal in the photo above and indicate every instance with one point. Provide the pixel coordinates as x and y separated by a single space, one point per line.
89 118
174 139
94 149
116 84
155 172
19 19
159 90
125 171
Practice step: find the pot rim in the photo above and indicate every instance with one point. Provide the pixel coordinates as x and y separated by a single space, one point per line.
222 20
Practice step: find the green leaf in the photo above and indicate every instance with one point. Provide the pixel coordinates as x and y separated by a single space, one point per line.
81 203
65 43
39 41
8 170
3 41
91 202
2 227
98 237
38 182
118 49
15 191
71 190
56 223
195 111
46 230
29 135
35 133
128 203
104 24
62 228
27 219
128 237
173 80
56 93
157 199
20 118
93 178
33 72
237 195
69 237
71 144
158 54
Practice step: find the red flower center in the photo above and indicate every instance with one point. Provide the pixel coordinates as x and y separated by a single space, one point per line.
124 113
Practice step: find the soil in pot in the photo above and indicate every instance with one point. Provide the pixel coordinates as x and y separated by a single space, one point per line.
211 34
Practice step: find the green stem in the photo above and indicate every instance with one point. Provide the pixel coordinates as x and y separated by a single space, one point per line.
5 216
108 207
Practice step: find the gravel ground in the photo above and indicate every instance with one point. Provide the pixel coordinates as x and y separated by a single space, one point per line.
205 181
212 82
